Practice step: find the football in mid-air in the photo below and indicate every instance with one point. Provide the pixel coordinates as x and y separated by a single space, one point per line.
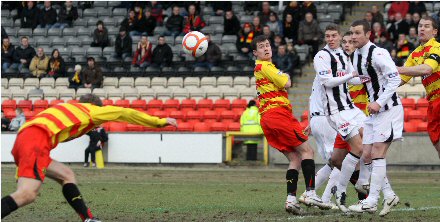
195 43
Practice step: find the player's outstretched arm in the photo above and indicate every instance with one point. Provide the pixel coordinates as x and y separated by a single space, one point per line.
419 70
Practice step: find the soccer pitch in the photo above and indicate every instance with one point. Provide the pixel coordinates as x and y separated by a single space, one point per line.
126 193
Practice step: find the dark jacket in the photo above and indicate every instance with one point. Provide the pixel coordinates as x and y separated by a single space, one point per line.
123 45
212 55
48 17
68 16
129 26
290 30
244 41
232 26
56 68
295 12
97 135
8 55
27 53
30 17
147 25
162 55
398 28
308 31
284 63
92 76
100 37
175 23
309 8
75 80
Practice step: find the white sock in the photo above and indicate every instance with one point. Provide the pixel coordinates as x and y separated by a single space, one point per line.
386 189
322 176
333 180
347 169
378 176
365 173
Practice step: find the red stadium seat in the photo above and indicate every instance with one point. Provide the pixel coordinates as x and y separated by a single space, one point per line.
28 114
73 101
139 104
234 126
25 105
416 114
239 105
218 127
107 102
202 127
185 127
422 103
193 116
179 115
305 115
408 103
9 105
222 104
10 114
123 103
422 127
228 116
117 127
168 129
55 102
155 104
210 116
161 113
171 104
40 105
410 127
188 104
205 104
135 128
106 126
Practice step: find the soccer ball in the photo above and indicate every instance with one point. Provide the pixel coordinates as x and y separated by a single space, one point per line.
194 43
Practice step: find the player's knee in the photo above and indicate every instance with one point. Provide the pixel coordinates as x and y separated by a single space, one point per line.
336 163
27 196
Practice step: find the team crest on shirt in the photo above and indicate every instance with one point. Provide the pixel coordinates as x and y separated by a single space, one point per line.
325 72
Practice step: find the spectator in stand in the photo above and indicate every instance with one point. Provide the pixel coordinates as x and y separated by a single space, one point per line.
413 37
401 7
18 121
220 8
265 12
156 10
377 15
147 23
290 29
277 41
130 23
39 64
100 36
57 66
143 54
174 23
308 7
377 31
250 7
5 122
398 27
273 23
293 56
138 11
385 43
256 26
309 32
231 24
396 60
48 16
67 15
75 80
369 18
269 34
294 10
283 61
403 47
8 51
92 75
162 54
415 20
244 39
194 22
212 56
30 16
409 19
123 44
23 55
417 7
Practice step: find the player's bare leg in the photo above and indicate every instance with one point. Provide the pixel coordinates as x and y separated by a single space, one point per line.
66 178
26 193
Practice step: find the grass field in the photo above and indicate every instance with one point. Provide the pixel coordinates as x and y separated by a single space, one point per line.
123 193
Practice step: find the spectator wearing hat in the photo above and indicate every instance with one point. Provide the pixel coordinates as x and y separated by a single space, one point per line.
231 24
123 44
100 36
244 40
92 75
143 54
75 80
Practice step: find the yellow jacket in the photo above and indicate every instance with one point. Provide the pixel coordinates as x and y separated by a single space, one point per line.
250 122
39 66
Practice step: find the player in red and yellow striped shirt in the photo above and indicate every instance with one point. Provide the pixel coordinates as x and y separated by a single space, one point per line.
424 61
281 128
58 124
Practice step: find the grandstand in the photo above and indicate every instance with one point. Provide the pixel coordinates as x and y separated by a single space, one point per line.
182 91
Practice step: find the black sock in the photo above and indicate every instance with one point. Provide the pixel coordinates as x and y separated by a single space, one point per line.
292 181
8 206
74 198
308 168
354 177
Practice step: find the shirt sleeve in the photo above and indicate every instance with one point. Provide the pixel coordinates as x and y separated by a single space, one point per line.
321 62
433 59
408 63
275 75
383 60
120 114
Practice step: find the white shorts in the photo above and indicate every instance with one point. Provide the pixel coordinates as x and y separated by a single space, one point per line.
386 126
324 135
347 122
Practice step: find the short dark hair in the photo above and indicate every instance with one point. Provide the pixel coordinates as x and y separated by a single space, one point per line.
332 27
99 23
91 98
258 39
161 36
434 22
251 103
365 25
90 58
24 37
347 33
